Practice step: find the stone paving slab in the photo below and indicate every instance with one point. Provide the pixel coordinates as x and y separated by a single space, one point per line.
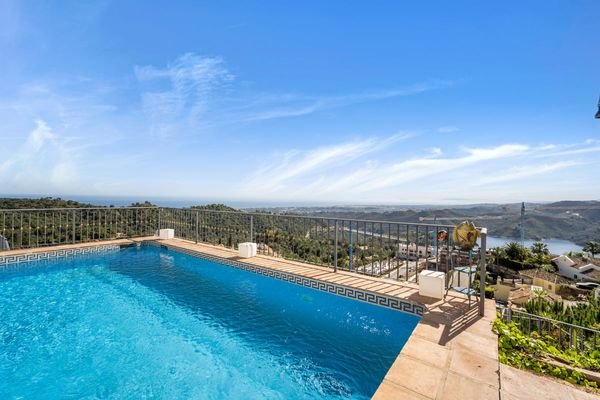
524 385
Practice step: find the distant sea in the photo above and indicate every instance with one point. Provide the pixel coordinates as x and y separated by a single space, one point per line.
118 201
160 201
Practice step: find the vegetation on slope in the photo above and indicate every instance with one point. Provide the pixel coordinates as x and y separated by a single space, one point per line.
536 353
214 207
550 348
44 202
144 204
583 314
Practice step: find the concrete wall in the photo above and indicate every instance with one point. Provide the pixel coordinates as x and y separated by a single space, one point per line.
501 291
549 287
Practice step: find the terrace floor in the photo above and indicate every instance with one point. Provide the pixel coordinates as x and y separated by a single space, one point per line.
452 353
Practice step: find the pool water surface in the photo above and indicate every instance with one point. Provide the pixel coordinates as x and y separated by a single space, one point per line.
147 322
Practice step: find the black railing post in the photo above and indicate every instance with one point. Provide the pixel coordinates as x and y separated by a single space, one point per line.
73 230
350 250
159 210
251 227
417 253
197 216
482 267
335 254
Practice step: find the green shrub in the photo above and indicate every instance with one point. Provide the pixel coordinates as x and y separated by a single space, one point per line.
526 352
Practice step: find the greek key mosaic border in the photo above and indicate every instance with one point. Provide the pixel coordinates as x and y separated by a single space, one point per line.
352 293
46 255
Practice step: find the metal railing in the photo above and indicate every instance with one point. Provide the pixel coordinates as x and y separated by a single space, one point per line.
394 250
29 228
379 248
563 335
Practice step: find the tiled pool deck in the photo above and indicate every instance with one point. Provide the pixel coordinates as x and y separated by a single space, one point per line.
452 354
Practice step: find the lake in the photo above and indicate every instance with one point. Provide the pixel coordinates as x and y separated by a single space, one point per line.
556 246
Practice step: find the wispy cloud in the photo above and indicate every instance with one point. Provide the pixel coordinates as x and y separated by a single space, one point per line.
79 132
191 81
525 171
102 131
309 105
377 174
72 104
197 84
44 161
571 151
447 129
295 164
419 168
436 151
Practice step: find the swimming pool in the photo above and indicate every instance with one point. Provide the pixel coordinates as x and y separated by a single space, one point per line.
147 322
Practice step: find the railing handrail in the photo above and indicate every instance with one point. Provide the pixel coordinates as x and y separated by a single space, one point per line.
534 316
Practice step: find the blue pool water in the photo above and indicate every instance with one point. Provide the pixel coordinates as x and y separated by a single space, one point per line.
146 322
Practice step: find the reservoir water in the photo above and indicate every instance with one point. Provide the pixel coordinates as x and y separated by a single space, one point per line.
556 246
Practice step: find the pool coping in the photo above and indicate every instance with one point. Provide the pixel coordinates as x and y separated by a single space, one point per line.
451 354
46 253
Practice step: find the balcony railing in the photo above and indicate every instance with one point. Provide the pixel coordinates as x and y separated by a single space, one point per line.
29 228
379 248
562 334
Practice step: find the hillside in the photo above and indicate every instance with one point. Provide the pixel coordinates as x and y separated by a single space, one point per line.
576 221
44 202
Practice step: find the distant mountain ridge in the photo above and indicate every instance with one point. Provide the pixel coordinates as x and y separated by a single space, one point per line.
576 221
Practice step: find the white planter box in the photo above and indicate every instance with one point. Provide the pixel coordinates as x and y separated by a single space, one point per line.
166 234
432 284
247 249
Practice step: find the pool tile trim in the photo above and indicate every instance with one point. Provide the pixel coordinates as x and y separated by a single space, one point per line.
393 303
57 253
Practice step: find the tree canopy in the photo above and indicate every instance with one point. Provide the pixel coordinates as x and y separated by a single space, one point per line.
592 247
144 204
540 248
515 256
42 202
214 207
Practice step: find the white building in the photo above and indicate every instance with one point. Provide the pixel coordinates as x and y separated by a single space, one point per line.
412 249
581 269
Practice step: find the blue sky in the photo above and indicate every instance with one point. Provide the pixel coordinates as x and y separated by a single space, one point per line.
345 102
